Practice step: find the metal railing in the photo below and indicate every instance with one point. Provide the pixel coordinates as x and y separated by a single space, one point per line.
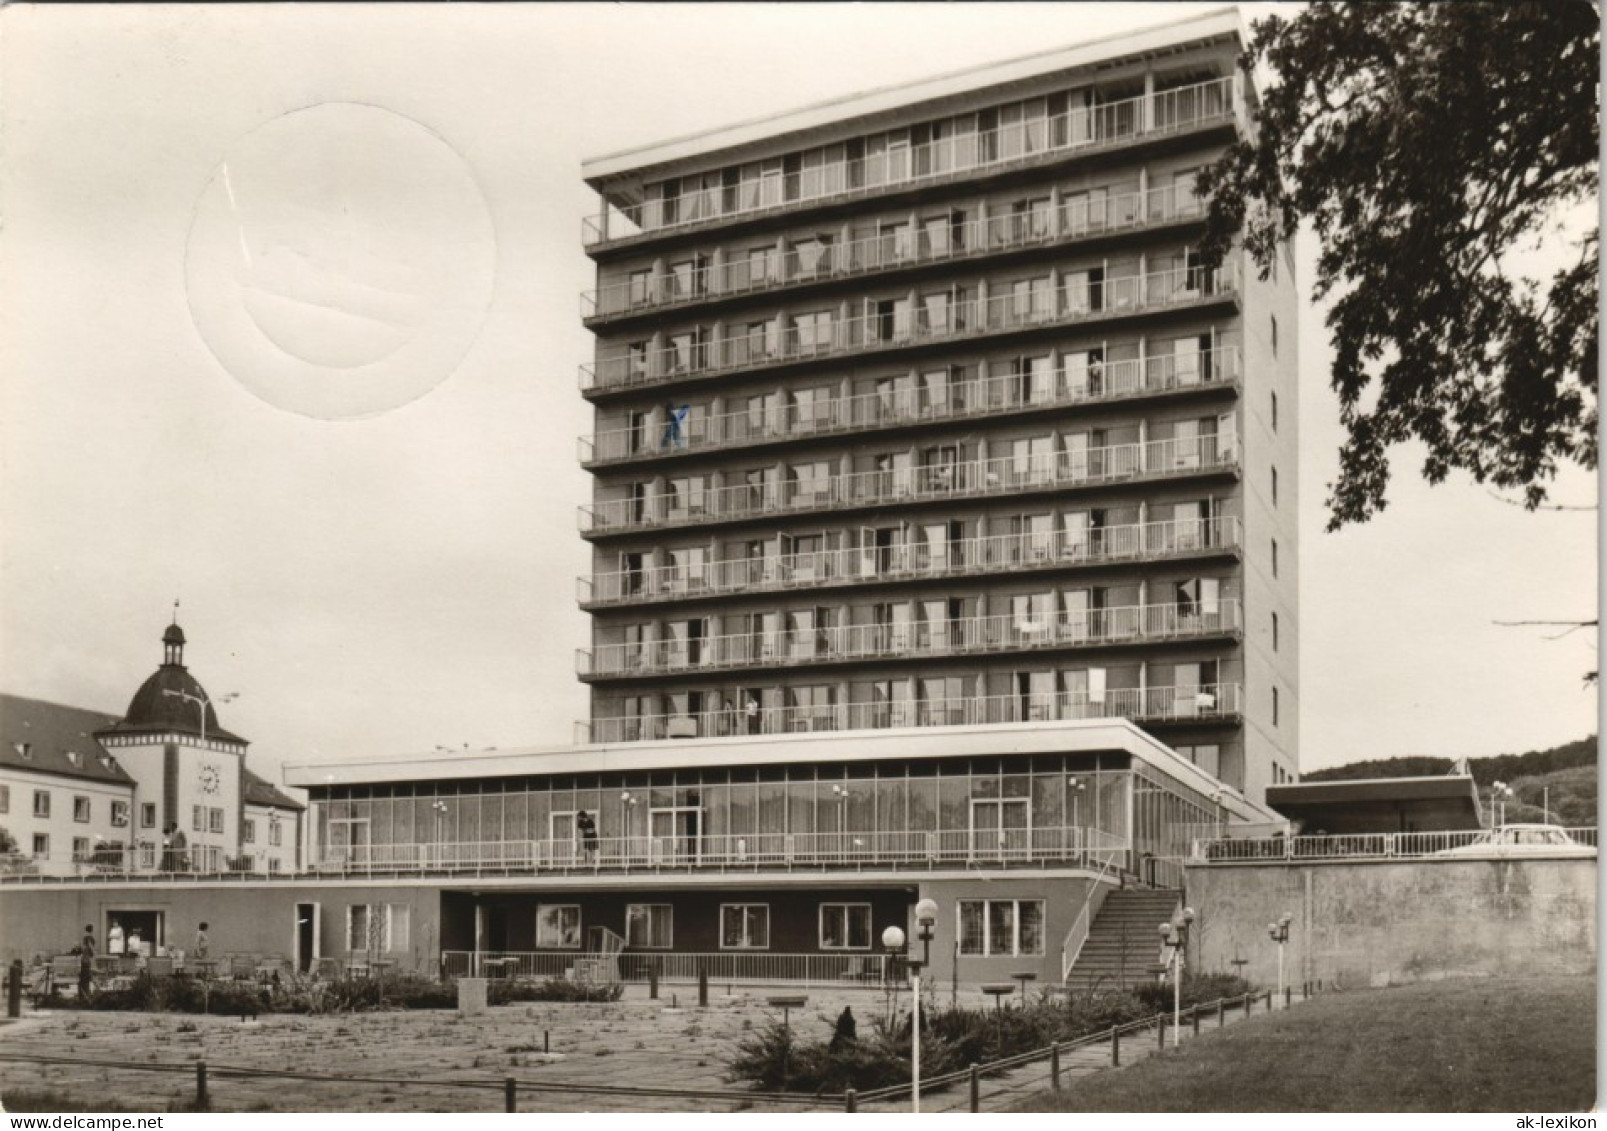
1077 934
858 565
812 260
657 436
1006 632
1474 844
856 849
845 968
118 860
1007 146
1217 701
692 352
694 500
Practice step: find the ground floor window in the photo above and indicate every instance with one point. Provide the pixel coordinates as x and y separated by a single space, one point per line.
745 926
845 926
558 926
377 927
649 925
41 844
1001 926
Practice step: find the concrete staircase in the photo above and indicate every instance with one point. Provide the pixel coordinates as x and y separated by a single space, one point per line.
1124 944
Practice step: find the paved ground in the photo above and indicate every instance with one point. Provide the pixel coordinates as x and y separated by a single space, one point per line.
635 1042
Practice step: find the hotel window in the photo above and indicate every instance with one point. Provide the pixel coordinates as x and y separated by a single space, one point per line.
558 926
813 255
120 814
80 848
41 803
1001 926
744 926
845 926
41 844
147 854
248 831
147 815
641 286
214 820
377 927
275 864
764 266
197 818
276 834
649 925
636 359
812 332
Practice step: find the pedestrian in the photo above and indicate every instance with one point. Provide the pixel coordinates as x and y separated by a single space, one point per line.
586 825
845 1031
201 942
168 864
86 961
114 938
751 710
181 855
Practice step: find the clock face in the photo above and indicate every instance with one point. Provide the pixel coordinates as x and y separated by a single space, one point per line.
210 778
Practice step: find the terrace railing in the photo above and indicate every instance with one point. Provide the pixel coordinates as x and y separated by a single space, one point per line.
861 967
113 861
1042 305
1013 145
695 502
854 565
1217 701
906 247
854 849
1380 846
1009 632
979 398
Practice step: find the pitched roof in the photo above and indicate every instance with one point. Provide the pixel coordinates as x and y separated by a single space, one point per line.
258 791
171 701
48 738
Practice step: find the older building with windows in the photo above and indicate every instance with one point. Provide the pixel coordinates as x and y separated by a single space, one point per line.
943 531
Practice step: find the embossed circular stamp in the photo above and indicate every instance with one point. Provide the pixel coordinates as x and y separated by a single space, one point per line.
340 261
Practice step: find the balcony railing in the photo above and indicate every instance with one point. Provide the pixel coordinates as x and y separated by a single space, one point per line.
913 561
961 319
698 504
961 636
142 862
1015 145
1207 703
978 398
733 852
908 247
1475 844
864 966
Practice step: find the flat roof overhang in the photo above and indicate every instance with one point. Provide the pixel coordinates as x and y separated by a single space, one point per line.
1437 804
1090 736
1224 25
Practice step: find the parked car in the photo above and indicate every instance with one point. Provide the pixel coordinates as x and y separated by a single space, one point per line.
1522 840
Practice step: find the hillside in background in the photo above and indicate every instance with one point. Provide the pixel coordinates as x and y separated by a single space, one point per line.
1566 774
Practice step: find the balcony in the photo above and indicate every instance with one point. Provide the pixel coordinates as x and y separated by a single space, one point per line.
756 851
915 640
1067 304
974 239
979 399
936 483
1023 145
871 565
1213 703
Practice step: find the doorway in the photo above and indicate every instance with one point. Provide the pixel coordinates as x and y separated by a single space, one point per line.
308 933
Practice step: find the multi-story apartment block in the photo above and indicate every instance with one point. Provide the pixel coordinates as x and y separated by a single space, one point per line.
921 409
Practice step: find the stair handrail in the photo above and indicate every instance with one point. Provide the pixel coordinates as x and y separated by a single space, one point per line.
1077 936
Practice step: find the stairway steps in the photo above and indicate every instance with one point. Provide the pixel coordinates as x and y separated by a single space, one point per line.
1123 944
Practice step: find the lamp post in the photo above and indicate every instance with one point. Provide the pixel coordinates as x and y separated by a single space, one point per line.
202 702
893 940
1499 792
840 792
1279 933
1077 787
440 816
626 804
1175 934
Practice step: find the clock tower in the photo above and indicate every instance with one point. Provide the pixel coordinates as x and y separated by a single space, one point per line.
186 766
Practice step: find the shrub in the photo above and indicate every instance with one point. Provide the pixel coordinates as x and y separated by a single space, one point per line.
1198 989
553 989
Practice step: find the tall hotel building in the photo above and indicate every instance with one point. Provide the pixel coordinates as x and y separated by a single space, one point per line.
918 409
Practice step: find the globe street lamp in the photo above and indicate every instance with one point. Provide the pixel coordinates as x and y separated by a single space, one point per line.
1279 932
1175 935
893 940
1499 792
440 849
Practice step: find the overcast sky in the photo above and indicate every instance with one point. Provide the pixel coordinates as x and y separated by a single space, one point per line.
407 580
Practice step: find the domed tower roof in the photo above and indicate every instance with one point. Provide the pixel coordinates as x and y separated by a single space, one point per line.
172 700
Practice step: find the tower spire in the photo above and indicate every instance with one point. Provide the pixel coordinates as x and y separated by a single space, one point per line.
173 642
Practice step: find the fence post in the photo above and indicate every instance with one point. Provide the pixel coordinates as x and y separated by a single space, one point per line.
652 979
1194 1016
703 987
1269 1001
850 1102
976 1089
14 989
1287 992
1160 1031
1221 1017
510 1094
546 1040
200 1085
1115 1047
1054 1066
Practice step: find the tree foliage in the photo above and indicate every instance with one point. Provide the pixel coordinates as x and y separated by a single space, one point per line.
1432 147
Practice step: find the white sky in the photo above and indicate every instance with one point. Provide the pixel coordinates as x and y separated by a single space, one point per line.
407 580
